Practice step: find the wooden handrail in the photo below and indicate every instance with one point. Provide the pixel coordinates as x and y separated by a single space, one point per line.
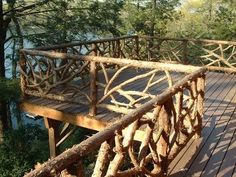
216 55
189 39
121 62
71 44
73 154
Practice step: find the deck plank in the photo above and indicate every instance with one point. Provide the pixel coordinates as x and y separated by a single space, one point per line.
181 165
219 152
175 166
228 164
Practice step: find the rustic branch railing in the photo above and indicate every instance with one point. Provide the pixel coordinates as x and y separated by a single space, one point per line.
176 117
213 54
94 80
123 75
120 47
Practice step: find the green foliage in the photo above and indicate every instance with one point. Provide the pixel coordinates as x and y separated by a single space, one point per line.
213 19
9 89
21 149
78 136
148 17
225 25
68 20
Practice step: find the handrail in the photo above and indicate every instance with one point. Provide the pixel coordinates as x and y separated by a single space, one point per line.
121 62
189 39
75 153
71 44
216 55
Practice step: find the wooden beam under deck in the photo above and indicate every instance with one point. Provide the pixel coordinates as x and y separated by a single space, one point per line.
80 120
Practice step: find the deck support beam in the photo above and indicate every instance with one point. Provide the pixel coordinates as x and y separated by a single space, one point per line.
53 135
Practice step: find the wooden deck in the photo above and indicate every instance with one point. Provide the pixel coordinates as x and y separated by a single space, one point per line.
213 154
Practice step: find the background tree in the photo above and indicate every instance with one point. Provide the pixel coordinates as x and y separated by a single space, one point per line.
212 19
9 11
148 17
68 20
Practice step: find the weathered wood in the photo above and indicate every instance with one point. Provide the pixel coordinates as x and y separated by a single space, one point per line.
93 89
53 135
214 111
192 101
68 45
224 69
163 143
76 119
22 64
76 152
123 62
200 103
102 160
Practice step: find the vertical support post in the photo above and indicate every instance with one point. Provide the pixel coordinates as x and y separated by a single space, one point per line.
185 51
118 49
137 47
22 64
53 135
200 103
163 143
93 84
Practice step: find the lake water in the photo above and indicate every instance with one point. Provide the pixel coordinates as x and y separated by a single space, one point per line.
8 64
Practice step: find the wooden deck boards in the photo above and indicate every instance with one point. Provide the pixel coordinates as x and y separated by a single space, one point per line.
213 154
203 157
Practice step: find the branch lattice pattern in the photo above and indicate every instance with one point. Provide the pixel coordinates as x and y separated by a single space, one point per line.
214 54
176 117
169 128
124 88
56 78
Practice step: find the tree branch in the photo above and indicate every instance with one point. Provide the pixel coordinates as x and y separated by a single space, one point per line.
27 7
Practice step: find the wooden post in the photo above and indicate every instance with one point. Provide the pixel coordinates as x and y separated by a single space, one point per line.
93 84
200 103
118 49
22 64
53 135
163 143
185 52
137 47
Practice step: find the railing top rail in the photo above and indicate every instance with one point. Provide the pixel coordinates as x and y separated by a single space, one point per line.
190 39
118 61
77 151
71 44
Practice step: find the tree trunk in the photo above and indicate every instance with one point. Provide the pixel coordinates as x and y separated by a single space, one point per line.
3 104
2 41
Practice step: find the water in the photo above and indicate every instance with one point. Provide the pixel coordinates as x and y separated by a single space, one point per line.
24 119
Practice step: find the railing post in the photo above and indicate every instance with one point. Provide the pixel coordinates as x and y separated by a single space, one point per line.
200 103
137 47
163 143
185 51
118 49
93 84
22 64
